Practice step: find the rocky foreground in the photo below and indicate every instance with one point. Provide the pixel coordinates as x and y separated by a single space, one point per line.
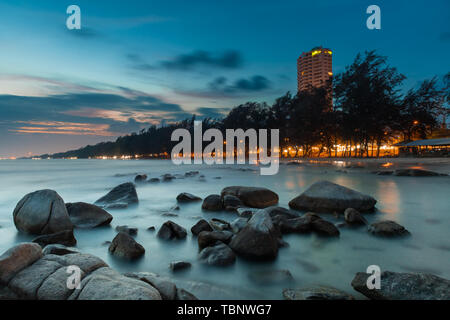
41 269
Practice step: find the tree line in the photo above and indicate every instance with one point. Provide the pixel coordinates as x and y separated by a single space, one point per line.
363 106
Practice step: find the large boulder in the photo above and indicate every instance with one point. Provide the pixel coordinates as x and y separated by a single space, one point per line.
218 255
18 258
170 230
166 288
120 197
65 238
404 286
42 212
387 228
85 215
316 293
258 240
325 196
254 197
212 202
124 246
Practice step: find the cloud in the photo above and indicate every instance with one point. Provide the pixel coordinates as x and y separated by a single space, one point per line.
221 85
185 62
64 128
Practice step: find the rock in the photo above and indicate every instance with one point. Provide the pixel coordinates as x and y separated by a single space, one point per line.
353 216
152 228
316 293
252 196
191 173
179 265
85 215
128 230
121 196
206 239
16 259
107 284
168 177
325 196
246 212
171 230
404 286
166 289
124 246
187 197
383 173
258 240
325 228
416 173
59 250
185 295
169 214
200 226
387 228
219 225
42 212
218 255
238 224
175 208
154 180
269 277
281 212
231 202
212 202
140 178
297 225
65 238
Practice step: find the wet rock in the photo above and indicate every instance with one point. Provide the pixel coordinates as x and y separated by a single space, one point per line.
404 286
166 288
131 231
152 228
387 228
416 173
383 172
296 225
42 212
171 230
246 212
59 250
252 196
85 215
154 180
353 216
175 208
238 224
187 197
124 246
325 196
185 295
231 202
191 173
219 225
218 255
16 259
281 212
140 178
212 202
258 240
206 239
65 238
316 293
325 228
168 177
179 265
120 197
169 214
200 226
269 277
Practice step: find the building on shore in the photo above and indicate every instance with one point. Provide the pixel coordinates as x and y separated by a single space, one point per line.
429 147
314 68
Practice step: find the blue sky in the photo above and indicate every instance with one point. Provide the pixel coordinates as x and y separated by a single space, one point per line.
136 63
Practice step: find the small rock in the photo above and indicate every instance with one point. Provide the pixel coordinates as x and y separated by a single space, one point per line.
212 202
325 228
200 226
65 238
125 246
85 215
167 177
187 197
171 230
191 173
128 230
387 228
152 228
218 255
252 196
179 265
231 202
353 216
206 239
219 225
154 180
122 195
416 173
140 178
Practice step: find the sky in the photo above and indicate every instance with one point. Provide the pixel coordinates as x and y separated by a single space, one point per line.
136 63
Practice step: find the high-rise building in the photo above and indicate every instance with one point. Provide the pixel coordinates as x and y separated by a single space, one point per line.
314 68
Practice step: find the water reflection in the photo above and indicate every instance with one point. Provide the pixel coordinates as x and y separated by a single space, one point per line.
388 198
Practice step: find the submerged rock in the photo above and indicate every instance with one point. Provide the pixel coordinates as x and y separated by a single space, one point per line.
325 196
200 226
85 215
218 255
254 197
258 240
154 180
179 265
325 228
128 230
187 197
120 197
212 202
140 178
316 293
42 212
404 286
416 173
387 228
269 277
206 239
65 238
168 177
171 230
124 246
353 216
